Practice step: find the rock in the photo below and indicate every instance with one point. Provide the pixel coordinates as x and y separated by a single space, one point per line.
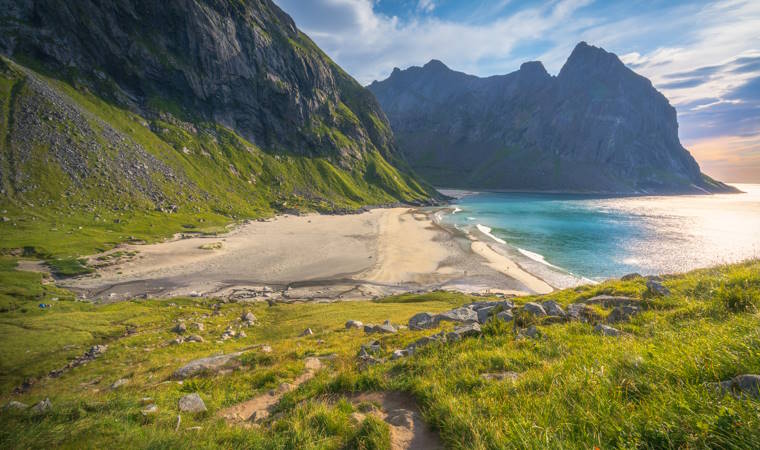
241 334
150 409
13 404
176 341
422 321
211 364
371 347
95 351
631 276
551 320
119 383
553 308
472 329
307 332
622 314
531 332
657 288
582 312
512 376
266 349
534 308
741 386
609 301
452 336
248 317
484 313
192 403
194 338
42 407
384 328
180 328
462 315
199 326
506 316
354 324
605 330
399 354
229 333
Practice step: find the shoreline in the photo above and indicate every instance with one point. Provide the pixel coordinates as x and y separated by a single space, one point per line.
376 253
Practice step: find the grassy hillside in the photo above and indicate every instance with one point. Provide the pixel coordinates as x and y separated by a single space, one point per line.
572 388
78 174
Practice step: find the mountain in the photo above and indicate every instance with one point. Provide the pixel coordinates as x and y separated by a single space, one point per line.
595 127
184 106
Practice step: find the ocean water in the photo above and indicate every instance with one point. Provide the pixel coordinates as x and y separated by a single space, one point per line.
567 237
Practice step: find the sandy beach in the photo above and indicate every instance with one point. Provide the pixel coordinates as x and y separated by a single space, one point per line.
312 257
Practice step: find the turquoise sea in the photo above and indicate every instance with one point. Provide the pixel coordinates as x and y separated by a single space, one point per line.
598 237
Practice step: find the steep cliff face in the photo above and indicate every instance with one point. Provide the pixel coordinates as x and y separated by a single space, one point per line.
186 105
596 127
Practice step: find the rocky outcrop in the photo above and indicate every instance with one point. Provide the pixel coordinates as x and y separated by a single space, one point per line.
595 127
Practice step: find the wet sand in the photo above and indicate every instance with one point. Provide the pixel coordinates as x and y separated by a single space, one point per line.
312 257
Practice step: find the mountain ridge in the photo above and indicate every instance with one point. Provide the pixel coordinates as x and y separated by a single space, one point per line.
595 127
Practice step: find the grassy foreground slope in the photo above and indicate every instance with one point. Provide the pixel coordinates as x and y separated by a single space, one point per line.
573 389
78 174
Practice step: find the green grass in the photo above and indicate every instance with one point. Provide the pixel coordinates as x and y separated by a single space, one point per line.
220 177
575 389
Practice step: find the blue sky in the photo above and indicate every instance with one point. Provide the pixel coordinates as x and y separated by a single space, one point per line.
704 56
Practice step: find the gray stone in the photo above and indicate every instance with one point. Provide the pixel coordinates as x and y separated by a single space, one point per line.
399 354
384 328
462 315
13 404
422 321
553 308
484 313
534 309
248 317
211 364
472 329
531 332
307 332
150 409
609 301
42 407
500 376
605 330
582 312
741 386
657 288
180 328
354 324
192 403
506 316
194 338
199 326
622 314
119 383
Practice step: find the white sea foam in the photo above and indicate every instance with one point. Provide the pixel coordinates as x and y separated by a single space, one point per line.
456 210
471 218
487 231
537 257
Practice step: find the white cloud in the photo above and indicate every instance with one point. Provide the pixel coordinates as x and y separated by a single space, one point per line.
426 6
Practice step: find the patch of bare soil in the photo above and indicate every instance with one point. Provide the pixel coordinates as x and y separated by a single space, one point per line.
400 412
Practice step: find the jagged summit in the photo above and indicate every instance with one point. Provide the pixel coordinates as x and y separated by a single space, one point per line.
595 127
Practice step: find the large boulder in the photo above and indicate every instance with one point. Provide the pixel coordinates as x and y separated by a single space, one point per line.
211 364
582 312
422 321
506 316
622 313
741 386
657 288
471 329
484 313
553 308
42 407
354 324
534 308
461 315
192 403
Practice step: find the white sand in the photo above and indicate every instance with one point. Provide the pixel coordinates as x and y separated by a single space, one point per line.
380 252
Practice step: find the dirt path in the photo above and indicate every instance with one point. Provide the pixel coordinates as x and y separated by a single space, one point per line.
258 408
400 412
